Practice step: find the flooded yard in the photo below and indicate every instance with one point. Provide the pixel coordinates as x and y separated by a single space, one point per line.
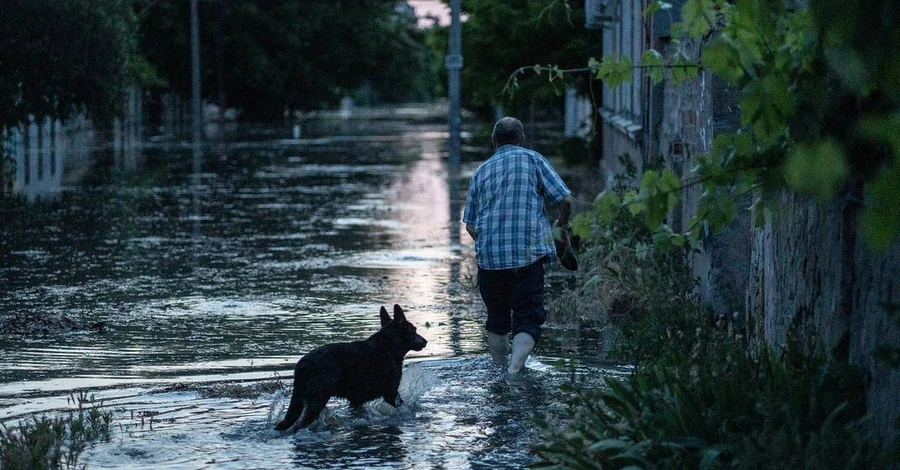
182 305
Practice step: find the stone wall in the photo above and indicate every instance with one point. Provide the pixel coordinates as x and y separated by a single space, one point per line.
814 279
806 273
690 114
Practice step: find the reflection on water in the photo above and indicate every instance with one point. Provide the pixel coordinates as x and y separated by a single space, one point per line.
287 245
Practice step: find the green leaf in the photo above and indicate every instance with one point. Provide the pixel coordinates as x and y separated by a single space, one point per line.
664 238
581 226
668 181
652 61
607 445
641 251
698 17
721 57
766 106
818 168
848 64
615 70
634 203
883 129
606 206
683 67
591 284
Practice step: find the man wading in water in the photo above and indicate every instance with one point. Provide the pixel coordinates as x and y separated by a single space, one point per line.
505 216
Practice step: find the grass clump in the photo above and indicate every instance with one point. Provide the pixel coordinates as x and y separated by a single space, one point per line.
54 442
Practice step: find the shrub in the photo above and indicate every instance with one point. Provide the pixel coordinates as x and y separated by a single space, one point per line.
721 408
626 281
698 398
575 151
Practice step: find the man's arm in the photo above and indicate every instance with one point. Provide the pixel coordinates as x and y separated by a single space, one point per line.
471 231
565 210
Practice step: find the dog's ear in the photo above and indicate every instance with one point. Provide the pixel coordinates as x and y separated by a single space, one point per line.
385 318
398 313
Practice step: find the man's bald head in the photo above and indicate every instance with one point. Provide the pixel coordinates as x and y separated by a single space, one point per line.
508 130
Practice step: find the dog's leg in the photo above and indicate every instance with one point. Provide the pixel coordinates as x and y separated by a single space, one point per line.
293 412
312 410
298 403
393 399
392 390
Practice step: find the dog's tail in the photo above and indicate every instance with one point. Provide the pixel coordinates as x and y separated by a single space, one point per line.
298 402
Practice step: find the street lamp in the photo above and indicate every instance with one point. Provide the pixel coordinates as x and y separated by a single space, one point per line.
454 62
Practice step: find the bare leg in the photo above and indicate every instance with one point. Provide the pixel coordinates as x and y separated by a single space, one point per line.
498 345
522 345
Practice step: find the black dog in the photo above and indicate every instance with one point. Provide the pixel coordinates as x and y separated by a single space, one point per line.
359 371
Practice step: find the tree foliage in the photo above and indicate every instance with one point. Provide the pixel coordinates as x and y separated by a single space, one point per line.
59 56
291 54
819 97
501 36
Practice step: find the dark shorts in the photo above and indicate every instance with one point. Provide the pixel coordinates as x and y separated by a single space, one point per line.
514 299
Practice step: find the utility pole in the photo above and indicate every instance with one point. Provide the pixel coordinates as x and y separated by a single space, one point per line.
454 62
196 112
197 124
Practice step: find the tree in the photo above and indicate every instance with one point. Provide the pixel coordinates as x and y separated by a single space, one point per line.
61 56
291 54
502 36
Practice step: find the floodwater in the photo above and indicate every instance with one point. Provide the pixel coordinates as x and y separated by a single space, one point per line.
187 302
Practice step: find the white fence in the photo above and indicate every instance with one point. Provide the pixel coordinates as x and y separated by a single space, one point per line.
42 156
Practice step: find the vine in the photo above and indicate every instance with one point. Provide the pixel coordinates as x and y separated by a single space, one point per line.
819 98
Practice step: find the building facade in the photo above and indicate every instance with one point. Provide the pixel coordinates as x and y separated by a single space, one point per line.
806 273
669 123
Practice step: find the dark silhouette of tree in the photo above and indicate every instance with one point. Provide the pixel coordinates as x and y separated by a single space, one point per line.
61 56
291 54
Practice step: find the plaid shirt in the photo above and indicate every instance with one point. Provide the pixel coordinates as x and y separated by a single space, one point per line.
505 205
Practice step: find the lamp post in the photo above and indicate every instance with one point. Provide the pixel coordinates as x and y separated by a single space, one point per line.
196 112
454 62
196 124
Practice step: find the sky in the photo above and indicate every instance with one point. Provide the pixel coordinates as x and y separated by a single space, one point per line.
433 8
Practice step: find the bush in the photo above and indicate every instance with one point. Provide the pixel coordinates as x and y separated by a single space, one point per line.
698 398
720 408
575 151
647 293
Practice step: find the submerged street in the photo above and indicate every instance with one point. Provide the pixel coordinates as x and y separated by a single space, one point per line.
174 292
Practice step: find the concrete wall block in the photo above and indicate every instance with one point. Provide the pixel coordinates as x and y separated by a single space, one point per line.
813 278
874 327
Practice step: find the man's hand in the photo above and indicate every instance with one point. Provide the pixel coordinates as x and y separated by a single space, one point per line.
565 210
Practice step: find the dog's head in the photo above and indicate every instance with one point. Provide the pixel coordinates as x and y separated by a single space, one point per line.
401 329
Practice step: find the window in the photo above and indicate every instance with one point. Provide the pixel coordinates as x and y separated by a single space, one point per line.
622 36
